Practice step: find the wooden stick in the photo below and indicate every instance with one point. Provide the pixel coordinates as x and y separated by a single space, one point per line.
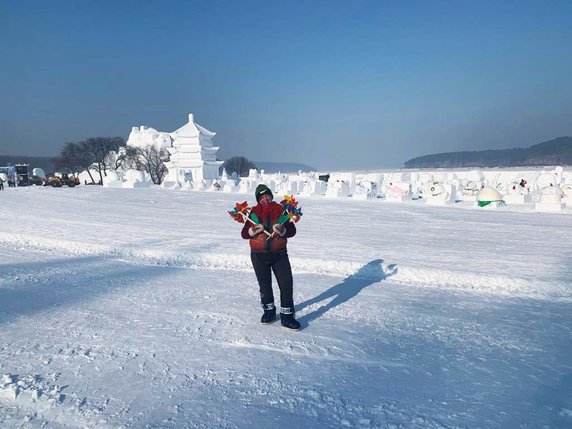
282 224
254 223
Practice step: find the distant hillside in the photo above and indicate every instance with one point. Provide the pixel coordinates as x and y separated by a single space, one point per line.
553 152
44 162
282 167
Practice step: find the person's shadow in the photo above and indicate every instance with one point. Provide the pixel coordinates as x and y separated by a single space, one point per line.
369 274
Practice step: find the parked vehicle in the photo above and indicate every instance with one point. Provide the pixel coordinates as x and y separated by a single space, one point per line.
60 179
37 180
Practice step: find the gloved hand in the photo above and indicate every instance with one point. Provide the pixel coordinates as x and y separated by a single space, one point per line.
279 229
255 230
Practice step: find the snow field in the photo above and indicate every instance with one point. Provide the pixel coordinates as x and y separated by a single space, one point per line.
138 308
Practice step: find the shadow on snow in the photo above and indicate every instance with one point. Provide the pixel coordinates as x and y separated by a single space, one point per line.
370 273
35 287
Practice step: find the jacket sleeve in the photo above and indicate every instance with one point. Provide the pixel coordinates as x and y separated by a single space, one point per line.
244 233
290 229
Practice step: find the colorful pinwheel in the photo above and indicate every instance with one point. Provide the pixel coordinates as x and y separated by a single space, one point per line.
240 214
290 211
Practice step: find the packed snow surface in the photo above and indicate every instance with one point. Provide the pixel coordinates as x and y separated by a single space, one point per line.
138 308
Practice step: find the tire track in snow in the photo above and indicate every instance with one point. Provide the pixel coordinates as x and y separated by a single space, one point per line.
355 270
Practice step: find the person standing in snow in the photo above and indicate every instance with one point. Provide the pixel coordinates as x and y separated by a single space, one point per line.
1 184
268 253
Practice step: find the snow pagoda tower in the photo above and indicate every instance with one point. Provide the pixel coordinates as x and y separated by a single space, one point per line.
193 156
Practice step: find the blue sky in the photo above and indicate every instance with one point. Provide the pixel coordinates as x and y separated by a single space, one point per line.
334 84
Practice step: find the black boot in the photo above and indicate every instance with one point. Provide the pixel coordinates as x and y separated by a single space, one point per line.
287 318
269 315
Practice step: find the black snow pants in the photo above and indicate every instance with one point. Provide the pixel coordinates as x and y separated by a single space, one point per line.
263 264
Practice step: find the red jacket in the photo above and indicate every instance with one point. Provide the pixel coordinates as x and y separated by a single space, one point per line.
268 216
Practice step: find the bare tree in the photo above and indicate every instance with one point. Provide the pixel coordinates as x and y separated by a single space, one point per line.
148 159
75 158
89 154
153 162
98 148
128 158
238 164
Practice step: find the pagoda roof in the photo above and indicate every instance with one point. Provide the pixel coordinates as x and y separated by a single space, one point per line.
191 129
204 131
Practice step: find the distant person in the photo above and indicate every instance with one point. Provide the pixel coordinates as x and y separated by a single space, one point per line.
268 254
1 184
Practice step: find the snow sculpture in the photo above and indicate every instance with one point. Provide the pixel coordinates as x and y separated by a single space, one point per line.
522 180
360 191
543 180
550 200
567 191
400 177
471 184
398 192
228 184
253 174
224 176
425 177
441 194
310 184
337 188
314 187
144 137
416 183
248 184
500 183
475 176
518 193
371 183
567 177
38 172
453 180
198 186
286 187
215 186
193 156
489 197
136 179
112 180
3 176
365 189
135 176
340 185
469 190
558 173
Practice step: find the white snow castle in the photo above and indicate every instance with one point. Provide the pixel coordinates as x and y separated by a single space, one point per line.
192 154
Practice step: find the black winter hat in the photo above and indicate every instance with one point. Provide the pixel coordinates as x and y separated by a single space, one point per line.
261 190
